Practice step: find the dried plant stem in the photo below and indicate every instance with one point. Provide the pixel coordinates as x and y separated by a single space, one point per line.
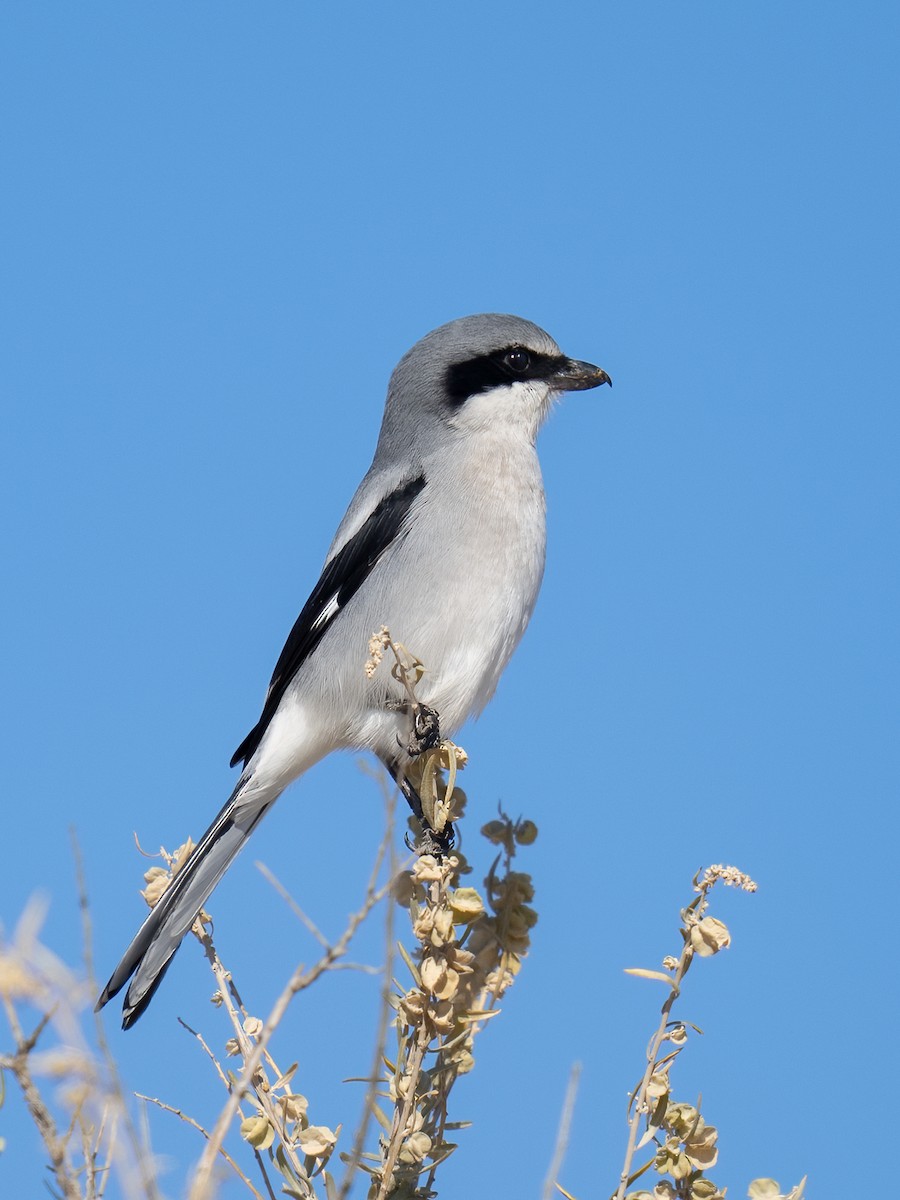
292 904
469 951
212 1058
640 1099
359 1141
689 1144
17 1065
251 1052
140 1149
562 1133
254 1050
401 1123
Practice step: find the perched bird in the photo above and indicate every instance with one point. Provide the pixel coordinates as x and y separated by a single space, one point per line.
443 543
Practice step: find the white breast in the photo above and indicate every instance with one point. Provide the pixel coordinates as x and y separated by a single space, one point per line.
484 526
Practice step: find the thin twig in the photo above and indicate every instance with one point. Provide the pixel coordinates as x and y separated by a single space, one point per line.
371 1097
212 1058
260 1162
140 1150
401 1123
110 1140
410 1076
17 1065
248 1048
196 1125
299 981
295 908
640 1097
230 989
562 1133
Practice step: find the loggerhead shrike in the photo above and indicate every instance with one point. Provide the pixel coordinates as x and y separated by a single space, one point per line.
443 543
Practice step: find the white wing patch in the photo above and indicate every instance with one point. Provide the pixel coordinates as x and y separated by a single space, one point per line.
330 609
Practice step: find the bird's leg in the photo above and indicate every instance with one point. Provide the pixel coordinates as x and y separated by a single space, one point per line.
431 842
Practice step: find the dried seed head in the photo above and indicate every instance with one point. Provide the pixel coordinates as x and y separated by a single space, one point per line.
730 876
415 1148
294 1106
709 936
316 1140
466 904
526 833
258 1132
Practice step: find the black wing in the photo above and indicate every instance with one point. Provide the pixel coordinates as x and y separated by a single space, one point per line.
340 580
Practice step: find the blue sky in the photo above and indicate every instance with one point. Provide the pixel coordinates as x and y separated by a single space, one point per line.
223 224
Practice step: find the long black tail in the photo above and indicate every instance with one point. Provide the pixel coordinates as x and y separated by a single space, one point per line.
155 943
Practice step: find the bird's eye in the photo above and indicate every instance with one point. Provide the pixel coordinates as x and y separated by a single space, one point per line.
517 360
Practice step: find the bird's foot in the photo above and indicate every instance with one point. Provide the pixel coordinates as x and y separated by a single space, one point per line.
429 841
426 731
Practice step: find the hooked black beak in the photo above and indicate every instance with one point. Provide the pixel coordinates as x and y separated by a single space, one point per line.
575 376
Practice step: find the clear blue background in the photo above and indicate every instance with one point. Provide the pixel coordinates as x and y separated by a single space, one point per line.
222 225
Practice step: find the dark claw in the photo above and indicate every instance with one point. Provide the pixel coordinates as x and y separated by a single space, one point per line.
431 842
426 731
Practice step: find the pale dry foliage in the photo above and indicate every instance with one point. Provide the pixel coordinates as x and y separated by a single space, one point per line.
684 1146
69 1083
439 993
468 948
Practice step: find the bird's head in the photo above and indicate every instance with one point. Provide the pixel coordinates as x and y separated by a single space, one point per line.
488 371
